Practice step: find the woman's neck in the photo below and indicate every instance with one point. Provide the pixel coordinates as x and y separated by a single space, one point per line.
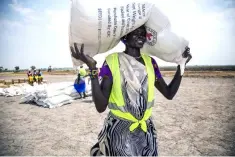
134 52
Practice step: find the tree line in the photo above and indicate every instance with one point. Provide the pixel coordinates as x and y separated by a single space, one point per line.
17 69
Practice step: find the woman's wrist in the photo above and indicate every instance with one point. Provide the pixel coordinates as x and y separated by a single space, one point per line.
93 72
92 65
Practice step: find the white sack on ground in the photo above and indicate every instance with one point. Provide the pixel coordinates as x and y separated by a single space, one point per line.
15 90
101 24
46 95
2 92
57 101
54 95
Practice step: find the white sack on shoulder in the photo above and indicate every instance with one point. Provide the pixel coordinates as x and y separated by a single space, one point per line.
166 45
101 24
162 42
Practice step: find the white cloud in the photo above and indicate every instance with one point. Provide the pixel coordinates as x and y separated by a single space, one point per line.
19 8
29 14
59 20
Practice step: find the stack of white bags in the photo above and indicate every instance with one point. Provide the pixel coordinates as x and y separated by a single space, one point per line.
46 95
52 95
101 24
16 90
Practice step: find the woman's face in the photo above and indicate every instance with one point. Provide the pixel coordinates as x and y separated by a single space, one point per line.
136 38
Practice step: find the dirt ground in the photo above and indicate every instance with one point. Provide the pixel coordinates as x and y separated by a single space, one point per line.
200 120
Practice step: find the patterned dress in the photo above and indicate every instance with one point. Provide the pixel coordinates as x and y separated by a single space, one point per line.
115 139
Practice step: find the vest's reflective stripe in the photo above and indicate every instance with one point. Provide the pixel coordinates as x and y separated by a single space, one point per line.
150 104
113 106
116 92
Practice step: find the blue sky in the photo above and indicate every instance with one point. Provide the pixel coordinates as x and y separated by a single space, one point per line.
35 32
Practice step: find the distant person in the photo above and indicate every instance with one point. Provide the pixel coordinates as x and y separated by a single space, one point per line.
49 69
30 77
40 78
80 86
35 76
82 71
29 73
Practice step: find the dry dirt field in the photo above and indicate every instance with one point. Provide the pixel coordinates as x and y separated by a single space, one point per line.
200 120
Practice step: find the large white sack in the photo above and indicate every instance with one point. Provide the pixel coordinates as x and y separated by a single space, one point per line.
100 24
58 100
2 92
162 42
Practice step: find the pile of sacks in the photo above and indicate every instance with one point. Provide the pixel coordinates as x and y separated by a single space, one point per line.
54 95
16 90
46 95
100 25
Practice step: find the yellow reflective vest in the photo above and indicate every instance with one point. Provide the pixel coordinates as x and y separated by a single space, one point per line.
82 72
116 100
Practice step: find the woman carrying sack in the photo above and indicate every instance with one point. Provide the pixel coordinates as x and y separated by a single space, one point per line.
127 88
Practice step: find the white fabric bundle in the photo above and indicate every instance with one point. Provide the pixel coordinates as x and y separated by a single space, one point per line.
53 95
45 95
101 24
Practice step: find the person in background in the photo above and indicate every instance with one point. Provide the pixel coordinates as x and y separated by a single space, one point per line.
40 78
49 69
80 86
35 76
128 87
82 71
29 73
30 77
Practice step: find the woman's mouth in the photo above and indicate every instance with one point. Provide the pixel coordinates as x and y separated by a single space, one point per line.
140 41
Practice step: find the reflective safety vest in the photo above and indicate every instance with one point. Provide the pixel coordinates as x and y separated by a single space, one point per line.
82 72
116 100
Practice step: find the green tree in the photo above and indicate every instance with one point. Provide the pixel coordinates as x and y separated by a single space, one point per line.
33 67
1 69
17 68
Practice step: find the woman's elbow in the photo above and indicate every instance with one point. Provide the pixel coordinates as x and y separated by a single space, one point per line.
170 96
100 110
101 107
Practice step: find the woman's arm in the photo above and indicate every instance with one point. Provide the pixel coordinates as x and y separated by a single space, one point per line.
105 87
101 93
170 90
